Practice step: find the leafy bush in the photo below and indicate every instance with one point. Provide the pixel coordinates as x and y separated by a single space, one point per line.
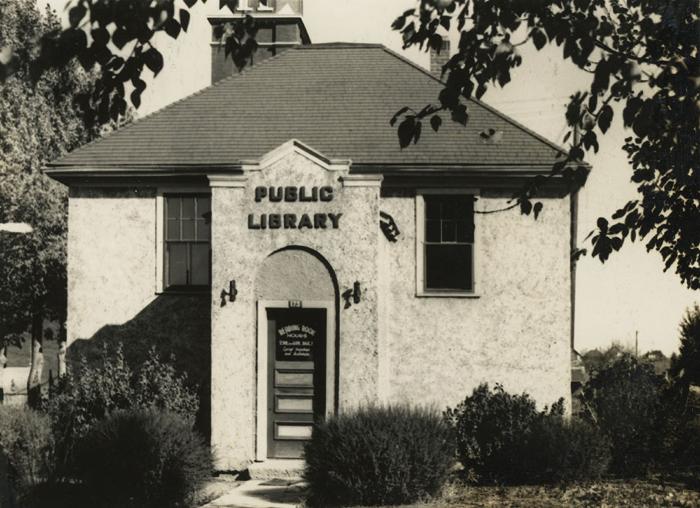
502 437
377 455
91 393
143 458
490 428
625 400
26 443
557 450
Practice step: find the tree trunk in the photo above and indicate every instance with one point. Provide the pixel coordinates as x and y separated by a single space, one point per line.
36 367
62 354
3 364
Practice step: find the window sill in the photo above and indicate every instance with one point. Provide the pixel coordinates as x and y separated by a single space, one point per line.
186 292
447 294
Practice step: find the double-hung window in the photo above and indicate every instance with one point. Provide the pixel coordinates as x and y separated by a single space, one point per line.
446 244
187 250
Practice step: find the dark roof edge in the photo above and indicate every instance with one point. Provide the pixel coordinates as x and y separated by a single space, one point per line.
493 110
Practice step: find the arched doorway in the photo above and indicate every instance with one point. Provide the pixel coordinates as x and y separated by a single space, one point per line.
296 294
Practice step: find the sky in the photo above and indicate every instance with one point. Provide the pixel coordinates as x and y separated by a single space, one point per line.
628 295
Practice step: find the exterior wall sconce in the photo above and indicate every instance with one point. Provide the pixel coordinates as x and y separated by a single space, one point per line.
354 294
231 293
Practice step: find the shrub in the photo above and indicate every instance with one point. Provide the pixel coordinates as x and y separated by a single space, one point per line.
26 443
557 450
490 429
625 400
91 393
377 455
502 437
143 458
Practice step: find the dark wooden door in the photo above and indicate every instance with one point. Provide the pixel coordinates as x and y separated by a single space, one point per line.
296 378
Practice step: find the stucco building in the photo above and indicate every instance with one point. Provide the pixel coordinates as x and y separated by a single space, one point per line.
273 225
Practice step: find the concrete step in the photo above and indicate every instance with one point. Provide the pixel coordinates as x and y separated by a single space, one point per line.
283 469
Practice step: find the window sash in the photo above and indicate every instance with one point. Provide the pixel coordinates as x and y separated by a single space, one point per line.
176 234
442 213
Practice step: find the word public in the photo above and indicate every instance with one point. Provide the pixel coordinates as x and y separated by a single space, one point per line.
292 220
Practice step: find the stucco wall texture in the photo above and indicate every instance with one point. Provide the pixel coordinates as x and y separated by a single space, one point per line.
111 257
239 253
392 346
516 332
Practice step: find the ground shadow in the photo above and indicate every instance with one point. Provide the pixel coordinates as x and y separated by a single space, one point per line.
178 325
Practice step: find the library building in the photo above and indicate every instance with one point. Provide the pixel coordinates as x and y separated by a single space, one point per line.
270 231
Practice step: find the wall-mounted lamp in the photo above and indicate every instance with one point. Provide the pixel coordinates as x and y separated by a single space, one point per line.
231 293
355 294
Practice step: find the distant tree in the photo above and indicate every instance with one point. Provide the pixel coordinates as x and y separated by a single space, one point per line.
686 365
39 120
597 359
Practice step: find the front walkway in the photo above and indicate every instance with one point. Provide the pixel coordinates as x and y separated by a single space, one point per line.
260 494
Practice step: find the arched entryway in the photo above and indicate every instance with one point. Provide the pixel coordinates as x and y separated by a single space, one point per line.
297 296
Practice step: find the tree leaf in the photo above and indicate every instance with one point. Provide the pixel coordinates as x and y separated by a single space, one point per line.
172 28
406 131
605 118
398 114
537 209
539 38
435 122
184 19
76 15
153 60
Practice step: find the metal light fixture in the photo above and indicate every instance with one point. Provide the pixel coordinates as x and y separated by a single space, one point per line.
231 293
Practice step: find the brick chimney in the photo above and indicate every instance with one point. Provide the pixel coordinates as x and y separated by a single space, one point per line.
438 59
280 26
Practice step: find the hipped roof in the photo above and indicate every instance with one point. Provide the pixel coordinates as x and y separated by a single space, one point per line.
336 98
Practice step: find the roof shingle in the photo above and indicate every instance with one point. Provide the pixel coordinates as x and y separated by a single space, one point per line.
336 98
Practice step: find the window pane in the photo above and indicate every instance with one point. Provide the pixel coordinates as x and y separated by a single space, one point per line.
173 229
173 207
203 206
449 208
203 230
432 207
448 231
200 264
188 229
176 261
465 231
432 231
188 207
448 267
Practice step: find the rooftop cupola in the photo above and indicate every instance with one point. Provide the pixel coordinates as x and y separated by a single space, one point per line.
280 26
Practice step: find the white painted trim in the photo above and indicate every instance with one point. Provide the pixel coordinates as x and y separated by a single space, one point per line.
160 225
261 365
421 292
230 181
362 180
296 146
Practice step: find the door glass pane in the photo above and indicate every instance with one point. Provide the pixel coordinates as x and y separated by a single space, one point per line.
448 267
177 264
200 264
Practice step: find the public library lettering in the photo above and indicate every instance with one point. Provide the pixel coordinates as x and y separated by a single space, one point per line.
292 220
